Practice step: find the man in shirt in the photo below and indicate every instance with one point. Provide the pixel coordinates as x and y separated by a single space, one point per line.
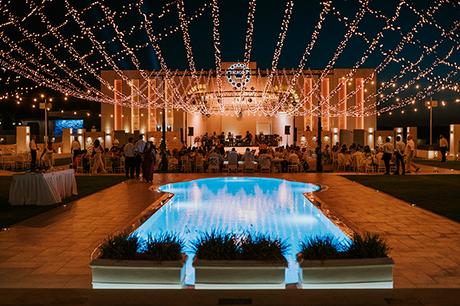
409 152
33 152
232 157
399 155
75 149
443 147
129 153
138 150
388 150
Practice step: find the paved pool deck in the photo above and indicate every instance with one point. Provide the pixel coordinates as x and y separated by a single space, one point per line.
53 250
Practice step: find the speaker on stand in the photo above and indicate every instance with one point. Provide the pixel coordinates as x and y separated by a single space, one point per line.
190 134
287 132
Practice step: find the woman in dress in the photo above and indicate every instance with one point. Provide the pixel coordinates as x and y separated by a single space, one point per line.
148 161
97 157
47 156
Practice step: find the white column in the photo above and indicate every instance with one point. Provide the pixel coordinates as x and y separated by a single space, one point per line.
343 104
308 105
66 140
135 116
359 103
454 140
22 139
325 101
151 112
117 108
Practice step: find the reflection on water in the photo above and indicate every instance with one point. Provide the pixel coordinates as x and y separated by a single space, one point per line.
269 206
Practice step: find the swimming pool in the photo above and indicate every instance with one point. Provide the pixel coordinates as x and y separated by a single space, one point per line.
239 205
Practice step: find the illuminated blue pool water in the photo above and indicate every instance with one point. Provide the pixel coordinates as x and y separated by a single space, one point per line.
239 205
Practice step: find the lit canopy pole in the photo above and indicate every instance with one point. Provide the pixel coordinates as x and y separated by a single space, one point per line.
164 158
431 104
319 153
46 106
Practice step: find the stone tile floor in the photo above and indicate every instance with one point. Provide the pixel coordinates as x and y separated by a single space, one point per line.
53 250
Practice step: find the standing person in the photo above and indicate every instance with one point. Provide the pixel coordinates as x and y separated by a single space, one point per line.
75 149
148 161
97 157
128 151
230 138
33 152
138 151
409 152
388 150
399 154
47 156
443 144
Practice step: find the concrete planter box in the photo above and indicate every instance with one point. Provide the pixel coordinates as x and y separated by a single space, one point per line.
239 274
347 273
107 273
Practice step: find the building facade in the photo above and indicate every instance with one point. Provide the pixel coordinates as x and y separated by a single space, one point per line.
243 98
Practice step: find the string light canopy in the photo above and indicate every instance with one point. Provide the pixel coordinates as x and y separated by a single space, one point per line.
68 52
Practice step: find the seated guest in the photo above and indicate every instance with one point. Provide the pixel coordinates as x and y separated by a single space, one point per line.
214 160
367 151
293 158
264 158
232 157
279 153
173 163
248 155
353 148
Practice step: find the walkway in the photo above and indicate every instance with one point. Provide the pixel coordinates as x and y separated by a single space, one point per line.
53 249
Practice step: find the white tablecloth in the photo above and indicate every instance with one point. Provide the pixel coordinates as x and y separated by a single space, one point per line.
42 188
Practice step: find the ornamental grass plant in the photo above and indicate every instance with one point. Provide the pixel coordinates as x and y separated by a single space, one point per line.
121 246
326 247
262 247
126 246
216 245
319 248
163 247
367 246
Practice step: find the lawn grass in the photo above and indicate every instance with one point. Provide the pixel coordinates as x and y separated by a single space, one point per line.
437 193
86 185
450 164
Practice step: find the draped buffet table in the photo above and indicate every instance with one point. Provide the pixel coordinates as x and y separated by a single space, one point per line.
42 188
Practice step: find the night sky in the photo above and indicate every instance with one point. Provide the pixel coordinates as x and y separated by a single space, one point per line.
233 19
